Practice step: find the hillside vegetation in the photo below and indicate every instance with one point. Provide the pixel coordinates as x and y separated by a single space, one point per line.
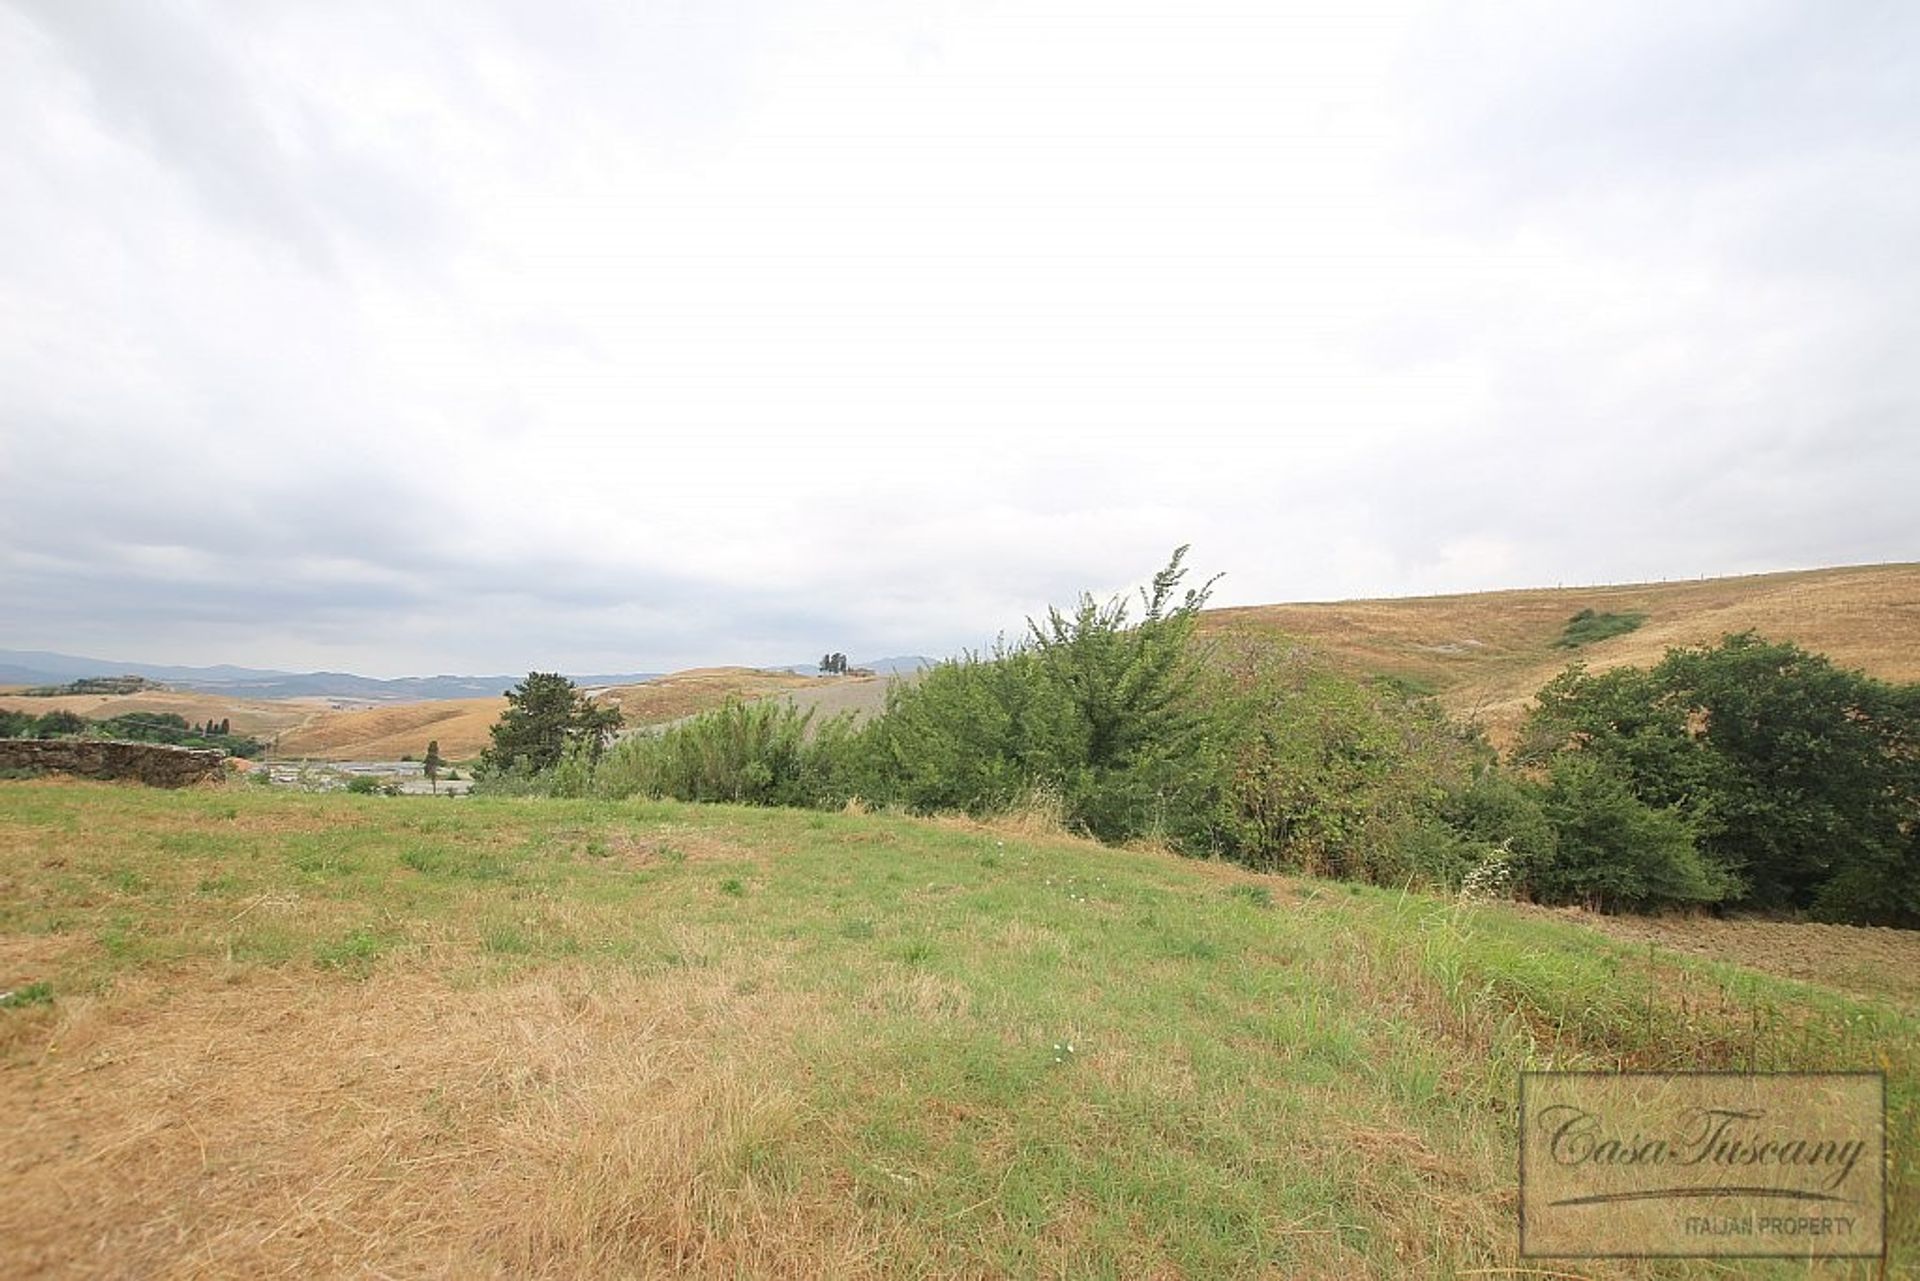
259 718
1485 654
255 1032
315 729
1750 773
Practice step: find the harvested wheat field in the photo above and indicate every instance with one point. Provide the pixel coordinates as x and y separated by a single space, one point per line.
701 689
256 1033
1487 653
390 732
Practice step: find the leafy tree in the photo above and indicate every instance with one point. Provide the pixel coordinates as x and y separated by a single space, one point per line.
545 715
1800 778
1613 850
1126 684
15 724
432 764
1089 705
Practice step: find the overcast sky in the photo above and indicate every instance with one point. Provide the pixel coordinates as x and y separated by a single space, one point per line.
423 337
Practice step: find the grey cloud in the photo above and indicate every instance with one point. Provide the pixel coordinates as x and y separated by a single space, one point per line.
1636 301
170 78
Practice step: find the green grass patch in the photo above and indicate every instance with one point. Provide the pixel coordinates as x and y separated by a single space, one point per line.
27 994
1590 626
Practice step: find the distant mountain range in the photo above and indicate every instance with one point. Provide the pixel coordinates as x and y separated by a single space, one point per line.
36 667
39 667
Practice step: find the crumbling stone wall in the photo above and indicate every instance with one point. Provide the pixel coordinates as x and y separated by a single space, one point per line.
154 764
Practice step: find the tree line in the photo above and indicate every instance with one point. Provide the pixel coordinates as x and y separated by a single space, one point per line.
139 727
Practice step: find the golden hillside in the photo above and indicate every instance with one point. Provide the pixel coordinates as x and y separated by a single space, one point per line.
461 725
328 730
699 689
1486 653
390 732
260 717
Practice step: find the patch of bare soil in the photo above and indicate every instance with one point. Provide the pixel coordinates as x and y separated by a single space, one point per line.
1880 963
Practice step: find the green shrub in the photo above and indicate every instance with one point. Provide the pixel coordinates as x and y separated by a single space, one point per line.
1322 773
765 753
1612 850
1104 713
59 725
517 779
1587 627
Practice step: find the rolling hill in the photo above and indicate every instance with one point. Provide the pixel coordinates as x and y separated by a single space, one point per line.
461 726
1485 654
40 667
258 717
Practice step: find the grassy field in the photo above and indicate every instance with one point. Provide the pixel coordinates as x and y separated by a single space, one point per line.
256 1032
1487 653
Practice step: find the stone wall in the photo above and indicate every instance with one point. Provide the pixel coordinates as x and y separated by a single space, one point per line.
154 764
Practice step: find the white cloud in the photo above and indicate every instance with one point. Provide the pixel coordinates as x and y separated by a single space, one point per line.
612 336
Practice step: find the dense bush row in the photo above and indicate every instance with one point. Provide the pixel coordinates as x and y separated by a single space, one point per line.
1749 773
139 727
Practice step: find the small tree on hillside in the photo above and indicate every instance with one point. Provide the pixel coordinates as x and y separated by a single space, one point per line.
433 763
545 716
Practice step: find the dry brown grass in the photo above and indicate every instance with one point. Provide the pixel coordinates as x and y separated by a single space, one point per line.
1487 653
700 689
247 1125
386 733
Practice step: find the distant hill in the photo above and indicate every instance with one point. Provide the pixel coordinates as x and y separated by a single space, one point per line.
39 667
461 725
897 665
1485 654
